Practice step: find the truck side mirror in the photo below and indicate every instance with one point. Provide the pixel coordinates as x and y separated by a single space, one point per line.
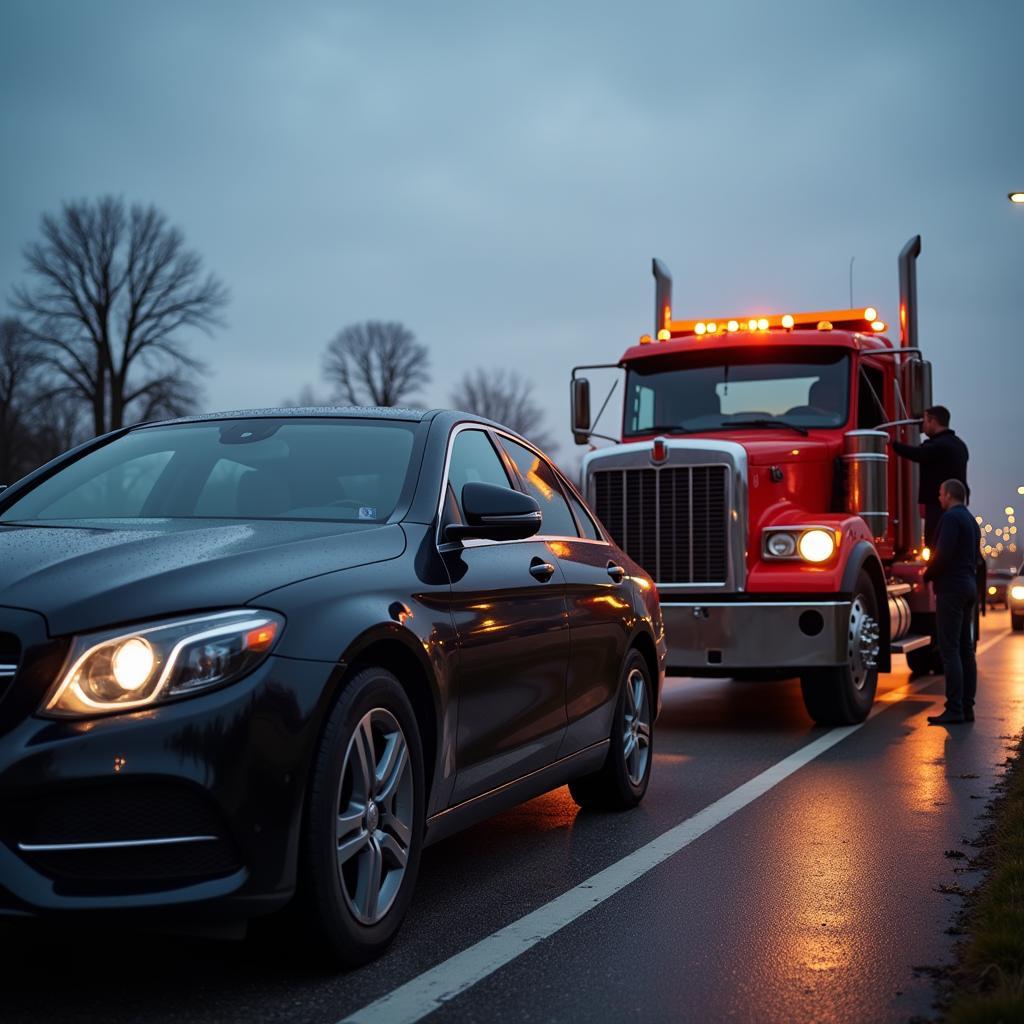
580 399
917 381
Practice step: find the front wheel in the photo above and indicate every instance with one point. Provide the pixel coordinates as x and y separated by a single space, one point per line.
364 823
843 695
622 780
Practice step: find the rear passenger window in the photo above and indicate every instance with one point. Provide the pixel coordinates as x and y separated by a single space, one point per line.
474 460
542 483
583 517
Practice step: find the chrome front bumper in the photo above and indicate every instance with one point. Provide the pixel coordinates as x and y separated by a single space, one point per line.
707 636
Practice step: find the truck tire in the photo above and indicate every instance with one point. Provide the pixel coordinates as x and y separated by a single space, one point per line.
843 695
620 783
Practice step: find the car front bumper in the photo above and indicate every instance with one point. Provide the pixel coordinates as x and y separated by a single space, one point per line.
193 807
708 637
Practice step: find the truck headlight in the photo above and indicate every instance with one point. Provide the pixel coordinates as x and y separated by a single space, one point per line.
122 670
781 545
817 545
1017 593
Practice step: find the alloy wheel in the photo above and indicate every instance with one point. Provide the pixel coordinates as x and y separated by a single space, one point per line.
375 816
636 739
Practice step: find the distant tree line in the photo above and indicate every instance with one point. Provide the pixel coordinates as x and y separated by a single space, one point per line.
99 336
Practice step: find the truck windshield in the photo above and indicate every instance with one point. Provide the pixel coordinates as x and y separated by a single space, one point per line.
738 389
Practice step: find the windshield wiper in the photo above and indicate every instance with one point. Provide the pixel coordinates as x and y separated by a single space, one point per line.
780 424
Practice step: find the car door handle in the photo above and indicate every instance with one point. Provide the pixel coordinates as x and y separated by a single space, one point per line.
541 570
617 573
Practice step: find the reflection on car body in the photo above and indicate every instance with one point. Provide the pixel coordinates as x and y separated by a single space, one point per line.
265 652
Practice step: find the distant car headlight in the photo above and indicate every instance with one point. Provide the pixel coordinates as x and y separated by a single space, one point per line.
992 590
817 545
122 670
1017 593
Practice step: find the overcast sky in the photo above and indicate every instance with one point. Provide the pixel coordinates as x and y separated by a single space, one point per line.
498 176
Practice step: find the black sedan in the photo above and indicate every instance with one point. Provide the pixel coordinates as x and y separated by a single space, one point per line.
264 657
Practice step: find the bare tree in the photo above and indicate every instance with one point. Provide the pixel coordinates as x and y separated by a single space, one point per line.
376 363
35 425
507 398
113 292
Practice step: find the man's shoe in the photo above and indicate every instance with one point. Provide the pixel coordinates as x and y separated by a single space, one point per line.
969 715
945 719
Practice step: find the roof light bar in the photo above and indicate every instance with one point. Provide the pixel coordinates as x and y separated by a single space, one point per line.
863 319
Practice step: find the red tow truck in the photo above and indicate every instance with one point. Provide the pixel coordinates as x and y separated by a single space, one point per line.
753 479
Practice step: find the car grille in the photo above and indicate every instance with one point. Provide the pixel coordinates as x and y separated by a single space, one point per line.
672 520
10 653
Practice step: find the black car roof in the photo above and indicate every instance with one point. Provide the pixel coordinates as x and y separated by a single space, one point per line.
333 411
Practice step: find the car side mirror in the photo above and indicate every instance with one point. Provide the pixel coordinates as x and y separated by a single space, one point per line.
493 512
580 400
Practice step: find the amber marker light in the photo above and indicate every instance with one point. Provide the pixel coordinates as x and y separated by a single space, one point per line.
762 324
788 321
926 554
700 328
664 334
871 313
733 326
645 339
878 325
261 638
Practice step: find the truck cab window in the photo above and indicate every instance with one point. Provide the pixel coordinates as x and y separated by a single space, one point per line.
870 398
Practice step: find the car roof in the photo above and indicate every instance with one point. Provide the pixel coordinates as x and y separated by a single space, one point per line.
301 412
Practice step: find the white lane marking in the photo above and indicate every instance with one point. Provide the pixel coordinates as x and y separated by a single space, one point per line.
427 992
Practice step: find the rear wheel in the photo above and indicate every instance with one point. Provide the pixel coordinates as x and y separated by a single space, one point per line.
844 694
622 780
364 824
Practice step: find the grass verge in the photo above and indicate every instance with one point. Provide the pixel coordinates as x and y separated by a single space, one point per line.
988 982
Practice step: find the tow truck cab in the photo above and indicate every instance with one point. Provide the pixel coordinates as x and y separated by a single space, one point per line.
753 479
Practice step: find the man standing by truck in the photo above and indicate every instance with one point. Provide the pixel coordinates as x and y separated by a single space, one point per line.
942 457
952 570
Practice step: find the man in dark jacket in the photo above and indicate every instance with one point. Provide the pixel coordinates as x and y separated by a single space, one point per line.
942 457
952 571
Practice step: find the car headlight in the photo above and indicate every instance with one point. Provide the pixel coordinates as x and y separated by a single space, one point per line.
992 590
122 670
817 545
1017 593
781 545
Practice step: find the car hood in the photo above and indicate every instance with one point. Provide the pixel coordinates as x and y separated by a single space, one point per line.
92 574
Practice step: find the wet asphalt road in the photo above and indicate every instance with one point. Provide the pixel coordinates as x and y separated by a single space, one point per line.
817 901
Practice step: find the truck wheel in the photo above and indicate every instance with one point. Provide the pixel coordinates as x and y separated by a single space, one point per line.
843 695
364 821
622 780
1017 623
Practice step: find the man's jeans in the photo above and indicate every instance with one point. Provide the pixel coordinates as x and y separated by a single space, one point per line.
954 619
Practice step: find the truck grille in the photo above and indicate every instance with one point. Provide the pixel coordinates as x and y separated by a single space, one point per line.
672 520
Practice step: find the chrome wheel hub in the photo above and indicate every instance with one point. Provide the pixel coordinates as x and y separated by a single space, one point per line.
863 643
375 816
636 737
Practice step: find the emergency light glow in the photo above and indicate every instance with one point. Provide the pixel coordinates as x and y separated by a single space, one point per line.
787 321
878 325
871 313
664 334
826 320
712 327
762 324
699 328
733 326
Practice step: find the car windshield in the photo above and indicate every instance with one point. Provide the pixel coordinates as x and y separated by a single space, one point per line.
347 470
741 388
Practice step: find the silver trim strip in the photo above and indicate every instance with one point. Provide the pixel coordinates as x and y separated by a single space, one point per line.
113 844
8 670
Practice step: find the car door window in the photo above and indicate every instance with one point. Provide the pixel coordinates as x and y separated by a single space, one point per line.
583 517
542 482
474 460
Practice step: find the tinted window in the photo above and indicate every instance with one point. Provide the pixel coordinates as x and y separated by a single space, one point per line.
870 407
345 470
474 460
542 483
583 517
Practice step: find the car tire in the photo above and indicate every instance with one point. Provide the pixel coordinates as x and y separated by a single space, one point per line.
843 695
363 829
621 782
1017 623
